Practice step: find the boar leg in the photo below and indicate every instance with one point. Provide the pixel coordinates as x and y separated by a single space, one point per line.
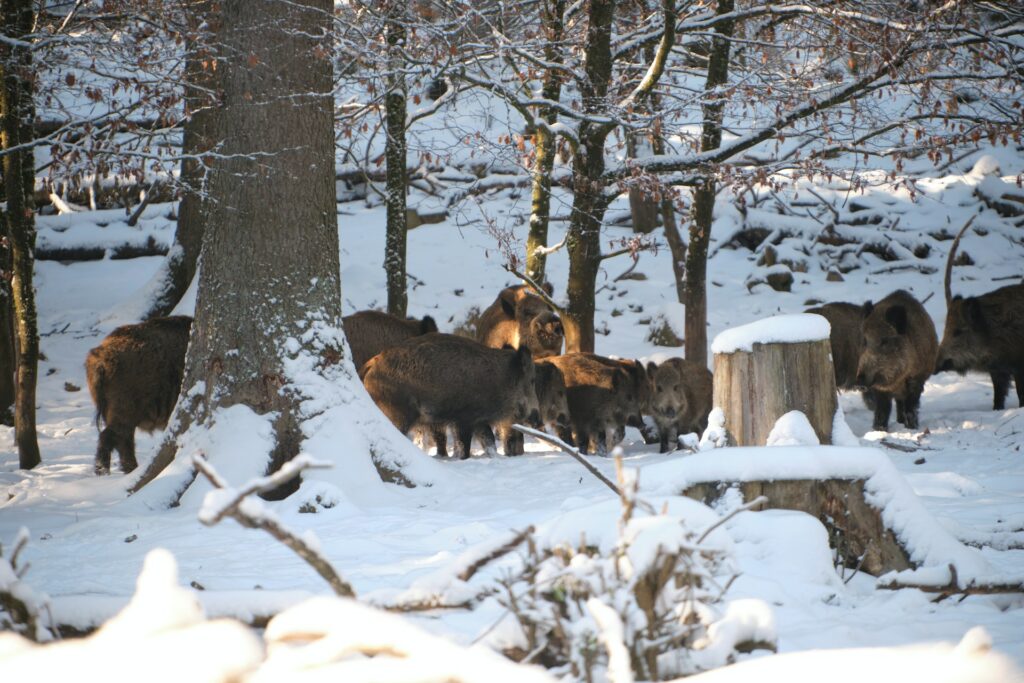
107 442
583 440
465 440
1018 380
487 440
911 405
512 441
126 449
669 439
901 414
883 408
440 434
1000 388
565 434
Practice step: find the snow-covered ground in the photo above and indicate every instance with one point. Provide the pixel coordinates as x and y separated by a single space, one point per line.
966 463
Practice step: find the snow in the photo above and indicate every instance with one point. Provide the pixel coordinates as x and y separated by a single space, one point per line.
784 329
792 429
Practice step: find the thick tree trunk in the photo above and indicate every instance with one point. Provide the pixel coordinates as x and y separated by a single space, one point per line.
270 273
545 144
18 111
8 358
395 154
197 139
756 388
704 196
644 208
583 241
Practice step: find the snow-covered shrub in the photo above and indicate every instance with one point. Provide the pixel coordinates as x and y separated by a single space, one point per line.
648 610
22 610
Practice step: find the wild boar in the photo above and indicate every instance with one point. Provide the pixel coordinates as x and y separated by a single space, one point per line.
554 406
134 377
601 396
682 399
439 379
900 346
846 338
370 332
985 333
519 317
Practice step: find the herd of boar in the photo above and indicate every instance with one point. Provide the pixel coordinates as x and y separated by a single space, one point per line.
514 372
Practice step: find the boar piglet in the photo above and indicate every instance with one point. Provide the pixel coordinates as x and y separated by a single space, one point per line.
440 379
134 378
899 355
682 399
553 402
600 395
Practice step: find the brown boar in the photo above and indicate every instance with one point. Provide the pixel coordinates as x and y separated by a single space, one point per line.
846 338
900 345
552 400
985 333
370 332
519 317
682 399
134 378
439 379
601 396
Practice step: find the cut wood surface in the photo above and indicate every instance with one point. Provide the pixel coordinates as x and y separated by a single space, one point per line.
756 388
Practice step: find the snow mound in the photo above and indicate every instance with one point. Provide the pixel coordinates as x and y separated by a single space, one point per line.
929 545
793 429
986 165
786 329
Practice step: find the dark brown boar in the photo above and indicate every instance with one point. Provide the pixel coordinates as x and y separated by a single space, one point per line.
553 402
370 332
846 338
439 379
519 317
134 377
600 395
985 333
900 345
641 386
682 399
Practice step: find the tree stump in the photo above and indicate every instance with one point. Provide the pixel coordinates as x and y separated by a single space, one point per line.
757 382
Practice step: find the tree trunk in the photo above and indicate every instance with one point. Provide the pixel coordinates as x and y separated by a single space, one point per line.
270 273
583 241
545 144
197 139
643 206
756 388
8 358
18 111
395 154
704 196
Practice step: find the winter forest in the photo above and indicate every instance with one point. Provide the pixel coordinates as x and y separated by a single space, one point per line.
476 340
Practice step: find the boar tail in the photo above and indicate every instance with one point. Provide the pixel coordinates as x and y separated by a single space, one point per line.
949 261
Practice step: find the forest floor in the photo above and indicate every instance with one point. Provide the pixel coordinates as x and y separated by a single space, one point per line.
88 540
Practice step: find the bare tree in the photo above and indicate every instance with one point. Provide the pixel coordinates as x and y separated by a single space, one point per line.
18 113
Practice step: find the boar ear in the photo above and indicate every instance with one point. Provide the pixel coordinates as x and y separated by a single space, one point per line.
651 367
867 308
975 316
427 325
549 288
897 317
507 298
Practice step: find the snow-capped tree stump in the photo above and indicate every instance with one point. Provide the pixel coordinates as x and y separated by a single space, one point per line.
769 368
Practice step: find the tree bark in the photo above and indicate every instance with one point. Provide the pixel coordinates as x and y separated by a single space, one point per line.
395 155
270 273
8 359
704 195
544 146
18 111
583 241
197 139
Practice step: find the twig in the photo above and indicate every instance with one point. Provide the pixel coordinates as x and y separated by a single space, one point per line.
150 193
537 289
572 451
760 500
232 509
860 563
504 549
